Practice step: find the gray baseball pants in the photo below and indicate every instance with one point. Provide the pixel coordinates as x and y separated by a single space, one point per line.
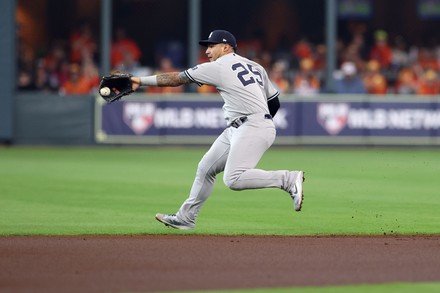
236 152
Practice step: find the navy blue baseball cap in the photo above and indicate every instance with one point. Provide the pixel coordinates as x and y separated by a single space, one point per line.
218 37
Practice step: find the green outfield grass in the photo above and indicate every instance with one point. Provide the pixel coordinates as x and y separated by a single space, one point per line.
383 288
70 191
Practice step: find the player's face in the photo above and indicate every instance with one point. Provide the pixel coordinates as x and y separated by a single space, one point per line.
215 51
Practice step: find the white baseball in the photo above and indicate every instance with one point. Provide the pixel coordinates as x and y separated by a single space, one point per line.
105 91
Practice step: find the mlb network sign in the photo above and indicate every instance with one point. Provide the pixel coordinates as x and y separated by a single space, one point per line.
389 119
141 117
180 118
158 121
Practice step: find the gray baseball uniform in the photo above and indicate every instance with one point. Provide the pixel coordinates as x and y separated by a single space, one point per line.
245 89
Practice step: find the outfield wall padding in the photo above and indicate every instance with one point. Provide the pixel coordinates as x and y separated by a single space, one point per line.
189 119
53 120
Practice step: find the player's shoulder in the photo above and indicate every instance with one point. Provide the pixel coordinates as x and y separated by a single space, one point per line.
236 58
200 67
249 61
233 56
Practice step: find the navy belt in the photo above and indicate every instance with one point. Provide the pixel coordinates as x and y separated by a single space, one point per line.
239 121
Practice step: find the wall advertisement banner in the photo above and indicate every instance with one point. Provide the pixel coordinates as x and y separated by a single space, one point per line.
200 121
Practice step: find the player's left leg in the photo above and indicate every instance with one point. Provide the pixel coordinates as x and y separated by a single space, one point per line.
212 163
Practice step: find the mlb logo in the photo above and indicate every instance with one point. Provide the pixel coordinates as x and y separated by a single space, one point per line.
139 116
333 117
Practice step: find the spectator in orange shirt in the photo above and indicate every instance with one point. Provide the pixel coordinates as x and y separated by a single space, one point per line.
82 42
91 72
427 59
319 59
302 49
277 74
306 82
375 82
122 46
429 83
381 51
77 83
406 82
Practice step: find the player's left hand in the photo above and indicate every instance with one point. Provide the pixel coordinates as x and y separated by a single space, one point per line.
120 84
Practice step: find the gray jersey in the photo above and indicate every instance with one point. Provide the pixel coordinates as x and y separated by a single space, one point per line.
242 83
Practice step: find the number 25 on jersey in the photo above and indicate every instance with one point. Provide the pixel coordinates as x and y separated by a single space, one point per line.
247 74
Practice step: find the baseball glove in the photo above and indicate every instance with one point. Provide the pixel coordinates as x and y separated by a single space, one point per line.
119 83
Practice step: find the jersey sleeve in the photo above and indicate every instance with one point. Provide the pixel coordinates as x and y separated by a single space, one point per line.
205 73
271 91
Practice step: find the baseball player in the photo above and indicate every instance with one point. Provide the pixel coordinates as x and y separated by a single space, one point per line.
250 102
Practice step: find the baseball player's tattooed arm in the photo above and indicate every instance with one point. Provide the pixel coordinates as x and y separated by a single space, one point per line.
162 79
172 79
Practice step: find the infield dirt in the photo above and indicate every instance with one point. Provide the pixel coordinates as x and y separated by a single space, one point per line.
175 263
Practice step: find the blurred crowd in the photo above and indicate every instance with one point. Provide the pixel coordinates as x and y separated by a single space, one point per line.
67 67
387 65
